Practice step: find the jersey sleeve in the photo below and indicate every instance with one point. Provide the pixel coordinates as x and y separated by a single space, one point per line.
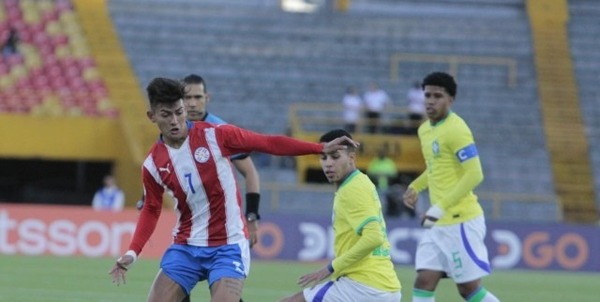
236 140
420 183
153 197
371 237
463 147
365 219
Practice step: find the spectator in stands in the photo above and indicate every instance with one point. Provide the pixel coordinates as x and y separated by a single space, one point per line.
416 106
353 104
362 269
382 171
376 99
10 45
191 160
455 217
109 197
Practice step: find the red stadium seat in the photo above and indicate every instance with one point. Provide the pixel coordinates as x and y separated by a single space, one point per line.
60 75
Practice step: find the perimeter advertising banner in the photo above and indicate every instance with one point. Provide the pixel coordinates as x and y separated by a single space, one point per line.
81 231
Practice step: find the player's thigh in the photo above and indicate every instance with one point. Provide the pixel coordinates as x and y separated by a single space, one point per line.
347 290
181 265
229 261
471 262
227 290
429 255
165 289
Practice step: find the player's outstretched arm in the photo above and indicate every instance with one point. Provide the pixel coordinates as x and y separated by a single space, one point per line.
238 140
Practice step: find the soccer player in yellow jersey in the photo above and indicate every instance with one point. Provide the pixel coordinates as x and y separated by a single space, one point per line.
453 244
362 269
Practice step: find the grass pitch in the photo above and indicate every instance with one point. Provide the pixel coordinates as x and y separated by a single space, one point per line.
56 279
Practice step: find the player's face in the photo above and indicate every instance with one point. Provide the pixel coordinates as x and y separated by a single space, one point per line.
437 102
170 119
337 165
195 101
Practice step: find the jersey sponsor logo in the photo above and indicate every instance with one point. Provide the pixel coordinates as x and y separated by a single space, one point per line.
161 169
435 148
201 155
466 153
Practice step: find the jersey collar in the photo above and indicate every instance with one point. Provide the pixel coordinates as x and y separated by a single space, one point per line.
442 120
349 177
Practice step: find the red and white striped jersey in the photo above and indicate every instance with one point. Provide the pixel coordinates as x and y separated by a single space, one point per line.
201 179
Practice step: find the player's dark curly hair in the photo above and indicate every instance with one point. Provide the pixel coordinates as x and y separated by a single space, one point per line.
333 134
164 91
440 79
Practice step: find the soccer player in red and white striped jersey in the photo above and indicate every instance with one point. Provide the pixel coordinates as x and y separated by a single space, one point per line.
191 162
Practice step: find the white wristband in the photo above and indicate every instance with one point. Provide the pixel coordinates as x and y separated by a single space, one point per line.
132 254
435 212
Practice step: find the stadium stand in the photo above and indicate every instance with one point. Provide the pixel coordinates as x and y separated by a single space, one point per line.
260 60
51 72
583 27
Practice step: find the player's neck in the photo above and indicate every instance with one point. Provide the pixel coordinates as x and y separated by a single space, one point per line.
339 183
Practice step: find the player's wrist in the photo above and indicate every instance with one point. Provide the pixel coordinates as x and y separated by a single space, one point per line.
130 253
330 267
252 205
435 211
432 216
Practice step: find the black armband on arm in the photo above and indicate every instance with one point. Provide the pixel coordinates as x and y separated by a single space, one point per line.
252 203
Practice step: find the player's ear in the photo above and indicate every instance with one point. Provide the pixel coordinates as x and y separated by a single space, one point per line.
150 115
351 153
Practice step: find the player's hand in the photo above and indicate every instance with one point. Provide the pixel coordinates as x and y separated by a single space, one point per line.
410 198
432 216
315 278
338 144
119 269
253 232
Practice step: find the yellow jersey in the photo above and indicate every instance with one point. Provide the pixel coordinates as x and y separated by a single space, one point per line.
356 204
453 169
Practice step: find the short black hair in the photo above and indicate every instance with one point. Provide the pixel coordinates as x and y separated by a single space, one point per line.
194 79
335 133
164 91
440 79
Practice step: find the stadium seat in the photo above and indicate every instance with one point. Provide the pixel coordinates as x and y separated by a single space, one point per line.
53 63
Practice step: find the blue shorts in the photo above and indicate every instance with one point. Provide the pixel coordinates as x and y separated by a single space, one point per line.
187 265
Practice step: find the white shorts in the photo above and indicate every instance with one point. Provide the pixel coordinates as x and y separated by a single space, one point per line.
458 250
345 289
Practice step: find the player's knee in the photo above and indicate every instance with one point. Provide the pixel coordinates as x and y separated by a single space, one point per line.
467 289
427 280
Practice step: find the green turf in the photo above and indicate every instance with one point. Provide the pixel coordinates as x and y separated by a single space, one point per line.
48 279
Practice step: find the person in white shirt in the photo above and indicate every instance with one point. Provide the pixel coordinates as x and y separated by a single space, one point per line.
109 197
416 105
353 104
375 101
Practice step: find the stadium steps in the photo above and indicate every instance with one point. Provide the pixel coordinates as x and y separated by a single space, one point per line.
583 28
259 60
123 88
565 133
